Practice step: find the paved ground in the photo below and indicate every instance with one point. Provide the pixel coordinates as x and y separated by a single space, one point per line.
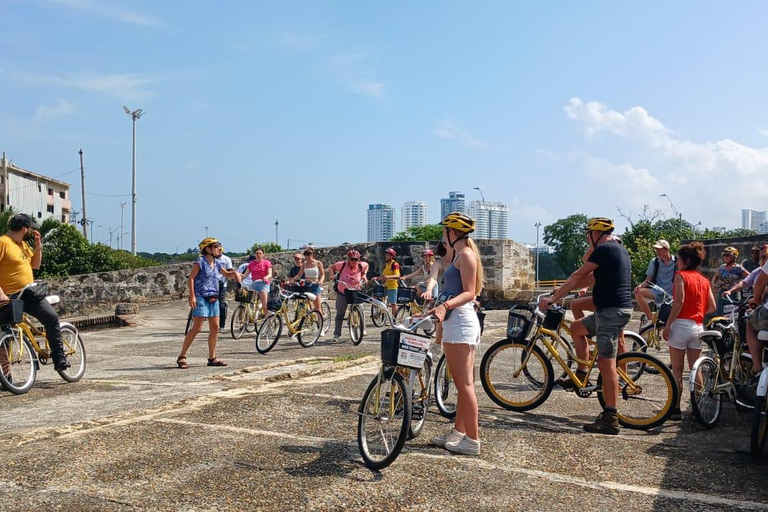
278 432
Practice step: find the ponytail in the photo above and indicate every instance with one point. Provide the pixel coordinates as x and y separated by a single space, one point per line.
480 276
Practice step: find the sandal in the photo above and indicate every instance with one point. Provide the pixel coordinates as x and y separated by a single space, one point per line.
216 362
181 362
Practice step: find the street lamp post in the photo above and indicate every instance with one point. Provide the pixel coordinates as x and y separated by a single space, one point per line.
276 237
677 213
206 231
538 225
122 227
135 115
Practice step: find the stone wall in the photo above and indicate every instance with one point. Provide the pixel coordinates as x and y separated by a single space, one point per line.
509 272
714 248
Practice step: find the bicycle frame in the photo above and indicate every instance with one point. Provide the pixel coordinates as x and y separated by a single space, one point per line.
301 310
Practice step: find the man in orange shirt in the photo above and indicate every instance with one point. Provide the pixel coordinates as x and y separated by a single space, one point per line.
17 260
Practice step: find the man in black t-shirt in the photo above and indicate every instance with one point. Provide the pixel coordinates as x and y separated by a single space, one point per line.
608 270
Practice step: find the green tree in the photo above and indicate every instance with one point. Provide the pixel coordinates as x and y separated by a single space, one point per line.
427 233
65 252
566 236
549 269
267 247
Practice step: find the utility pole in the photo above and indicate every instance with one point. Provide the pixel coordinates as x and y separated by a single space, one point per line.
206 231
82 186
276 238
538 225
135 115
121 235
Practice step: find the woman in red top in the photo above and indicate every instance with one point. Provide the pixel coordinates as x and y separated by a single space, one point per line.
692 299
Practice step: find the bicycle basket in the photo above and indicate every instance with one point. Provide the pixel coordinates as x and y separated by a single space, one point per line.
274 304
244 295
12 312
404 349
664 312
406 295
553 319
519 323
379 291
353 296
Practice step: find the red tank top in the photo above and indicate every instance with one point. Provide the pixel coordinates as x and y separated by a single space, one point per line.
696 288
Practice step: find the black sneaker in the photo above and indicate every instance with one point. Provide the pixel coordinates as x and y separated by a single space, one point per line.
61 364
606 423
676 415
567 384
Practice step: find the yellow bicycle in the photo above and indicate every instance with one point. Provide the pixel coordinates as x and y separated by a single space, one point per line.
408 306
247 315
24 347
305 324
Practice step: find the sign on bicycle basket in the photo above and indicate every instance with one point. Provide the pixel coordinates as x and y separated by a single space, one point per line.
728 309
403 349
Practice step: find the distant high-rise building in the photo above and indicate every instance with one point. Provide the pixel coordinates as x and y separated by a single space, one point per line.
381 222
453 203
492 219
751 219
414 214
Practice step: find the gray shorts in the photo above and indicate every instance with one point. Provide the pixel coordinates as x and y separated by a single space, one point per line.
605 325
657 296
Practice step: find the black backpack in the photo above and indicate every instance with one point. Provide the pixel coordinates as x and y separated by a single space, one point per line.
656 264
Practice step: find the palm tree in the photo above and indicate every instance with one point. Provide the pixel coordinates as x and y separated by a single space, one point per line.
5 216
48 225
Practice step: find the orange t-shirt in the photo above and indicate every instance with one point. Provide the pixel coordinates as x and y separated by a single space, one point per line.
15 265
696 288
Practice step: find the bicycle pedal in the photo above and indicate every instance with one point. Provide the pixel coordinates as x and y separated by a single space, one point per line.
417 413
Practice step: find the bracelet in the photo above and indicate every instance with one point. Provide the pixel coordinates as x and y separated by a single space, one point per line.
447 307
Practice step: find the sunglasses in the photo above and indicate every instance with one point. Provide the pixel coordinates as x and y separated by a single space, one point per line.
216 246
354 259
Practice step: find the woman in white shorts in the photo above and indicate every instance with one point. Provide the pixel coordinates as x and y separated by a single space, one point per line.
462 282
692 299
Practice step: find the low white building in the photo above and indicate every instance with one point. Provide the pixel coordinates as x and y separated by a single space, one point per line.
32 193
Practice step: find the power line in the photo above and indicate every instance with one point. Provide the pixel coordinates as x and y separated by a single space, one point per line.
106 195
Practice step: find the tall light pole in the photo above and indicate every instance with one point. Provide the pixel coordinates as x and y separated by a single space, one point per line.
677 213
276 237
122 227
135 115
206 231
538 225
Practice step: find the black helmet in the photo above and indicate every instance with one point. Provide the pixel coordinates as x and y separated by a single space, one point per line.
22 220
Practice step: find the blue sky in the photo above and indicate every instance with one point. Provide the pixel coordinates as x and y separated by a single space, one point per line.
306 112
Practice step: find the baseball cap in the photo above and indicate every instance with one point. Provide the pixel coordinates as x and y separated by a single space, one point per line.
661 244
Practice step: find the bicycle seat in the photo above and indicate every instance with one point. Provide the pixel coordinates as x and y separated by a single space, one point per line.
52 299
762 335
714 334
310 296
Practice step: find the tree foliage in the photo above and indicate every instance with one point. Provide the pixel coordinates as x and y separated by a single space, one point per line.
267 247
426 233
566 236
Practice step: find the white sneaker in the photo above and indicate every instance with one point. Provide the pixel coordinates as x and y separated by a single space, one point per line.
466 446
336 337
365 333
453 436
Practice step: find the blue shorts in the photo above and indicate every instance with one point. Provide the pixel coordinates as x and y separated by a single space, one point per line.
260 286
204 308
315 288
392 296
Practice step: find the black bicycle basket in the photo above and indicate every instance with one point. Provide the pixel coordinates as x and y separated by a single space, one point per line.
405 295
354 296
403 349
244 295
521 319
553 319
12 312
723 345
664 311
379 291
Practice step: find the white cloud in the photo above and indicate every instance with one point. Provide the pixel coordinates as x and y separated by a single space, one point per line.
125 87
47 112
111 10
603 172
762 130
448 130
354 72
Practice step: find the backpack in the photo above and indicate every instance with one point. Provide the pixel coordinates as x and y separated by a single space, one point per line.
336 277
656 268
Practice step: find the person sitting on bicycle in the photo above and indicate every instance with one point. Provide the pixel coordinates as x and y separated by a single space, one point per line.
260 272
246 283
350 272
204 299
390 274
727 275
758 320
17 260
692 299
312 271
611 269
423 272
661 272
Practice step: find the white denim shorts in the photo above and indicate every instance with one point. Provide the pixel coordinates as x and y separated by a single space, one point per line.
462 326
684 334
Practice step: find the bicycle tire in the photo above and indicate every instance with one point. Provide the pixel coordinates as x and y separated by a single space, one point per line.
635 343
445 390
239 322
258 315
325 309
493 379
420 399
269 332
18 362
703 380
356 324
310 329
74 349
393 440
402 312
189 322
378 317
651 397
745 389
759 431
648 333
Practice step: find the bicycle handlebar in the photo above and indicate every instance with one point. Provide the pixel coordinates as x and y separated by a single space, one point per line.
400 327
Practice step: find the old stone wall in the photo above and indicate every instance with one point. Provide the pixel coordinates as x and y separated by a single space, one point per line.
714 248
509 272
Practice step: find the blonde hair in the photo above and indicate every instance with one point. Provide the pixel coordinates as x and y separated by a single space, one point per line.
480 277
430 259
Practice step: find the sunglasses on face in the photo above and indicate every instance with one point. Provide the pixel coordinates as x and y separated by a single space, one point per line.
216 246
354 259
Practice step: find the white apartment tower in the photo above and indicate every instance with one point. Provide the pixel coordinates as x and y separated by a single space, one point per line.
453 203
32 193
381 222
414 213
751 219
492 219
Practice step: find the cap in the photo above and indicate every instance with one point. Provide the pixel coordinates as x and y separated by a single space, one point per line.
661 244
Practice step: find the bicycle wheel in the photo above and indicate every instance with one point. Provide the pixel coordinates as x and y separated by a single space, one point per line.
420 398
402 312
18 362
257 317
745 388
759 432
292 307
510 386
633 342
356 323
239 322
269 333
651 338
310 328
705 402
75 352
564 349
445 390
189 321
378 316
645 402
384 419
325 309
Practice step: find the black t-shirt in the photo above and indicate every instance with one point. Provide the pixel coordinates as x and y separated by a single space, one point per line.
613 276
294 271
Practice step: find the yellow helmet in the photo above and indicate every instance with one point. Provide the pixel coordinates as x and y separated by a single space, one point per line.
207 242
732 250
603 224
459 222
